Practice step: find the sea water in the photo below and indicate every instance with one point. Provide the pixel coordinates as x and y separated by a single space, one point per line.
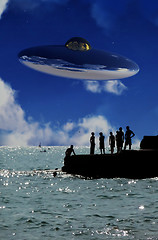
36 205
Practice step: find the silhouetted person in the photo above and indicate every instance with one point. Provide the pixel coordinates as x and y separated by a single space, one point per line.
92 143
119 139
69 151
112 142
101 142
128 135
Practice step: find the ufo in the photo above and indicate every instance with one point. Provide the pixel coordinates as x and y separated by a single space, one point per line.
77 59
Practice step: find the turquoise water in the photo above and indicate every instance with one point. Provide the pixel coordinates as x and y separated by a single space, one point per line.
36 205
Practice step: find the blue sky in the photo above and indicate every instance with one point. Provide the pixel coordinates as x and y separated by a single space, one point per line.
36 107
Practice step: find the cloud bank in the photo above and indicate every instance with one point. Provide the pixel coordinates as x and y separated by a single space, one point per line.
15 129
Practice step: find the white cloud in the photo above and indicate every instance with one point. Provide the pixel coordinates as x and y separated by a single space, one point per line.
93 86
106 13
11 114
69 126
116 87
95 123
102 17
90 124
3 6
15 130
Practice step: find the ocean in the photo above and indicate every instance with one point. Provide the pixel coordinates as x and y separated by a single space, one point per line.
38 206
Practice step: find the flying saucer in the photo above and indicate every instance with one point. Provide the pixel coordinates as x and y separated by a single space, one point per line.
77 59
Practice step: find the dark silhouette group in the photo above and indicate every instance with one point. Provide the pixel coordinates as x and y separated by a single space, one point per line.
101 143
120 138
